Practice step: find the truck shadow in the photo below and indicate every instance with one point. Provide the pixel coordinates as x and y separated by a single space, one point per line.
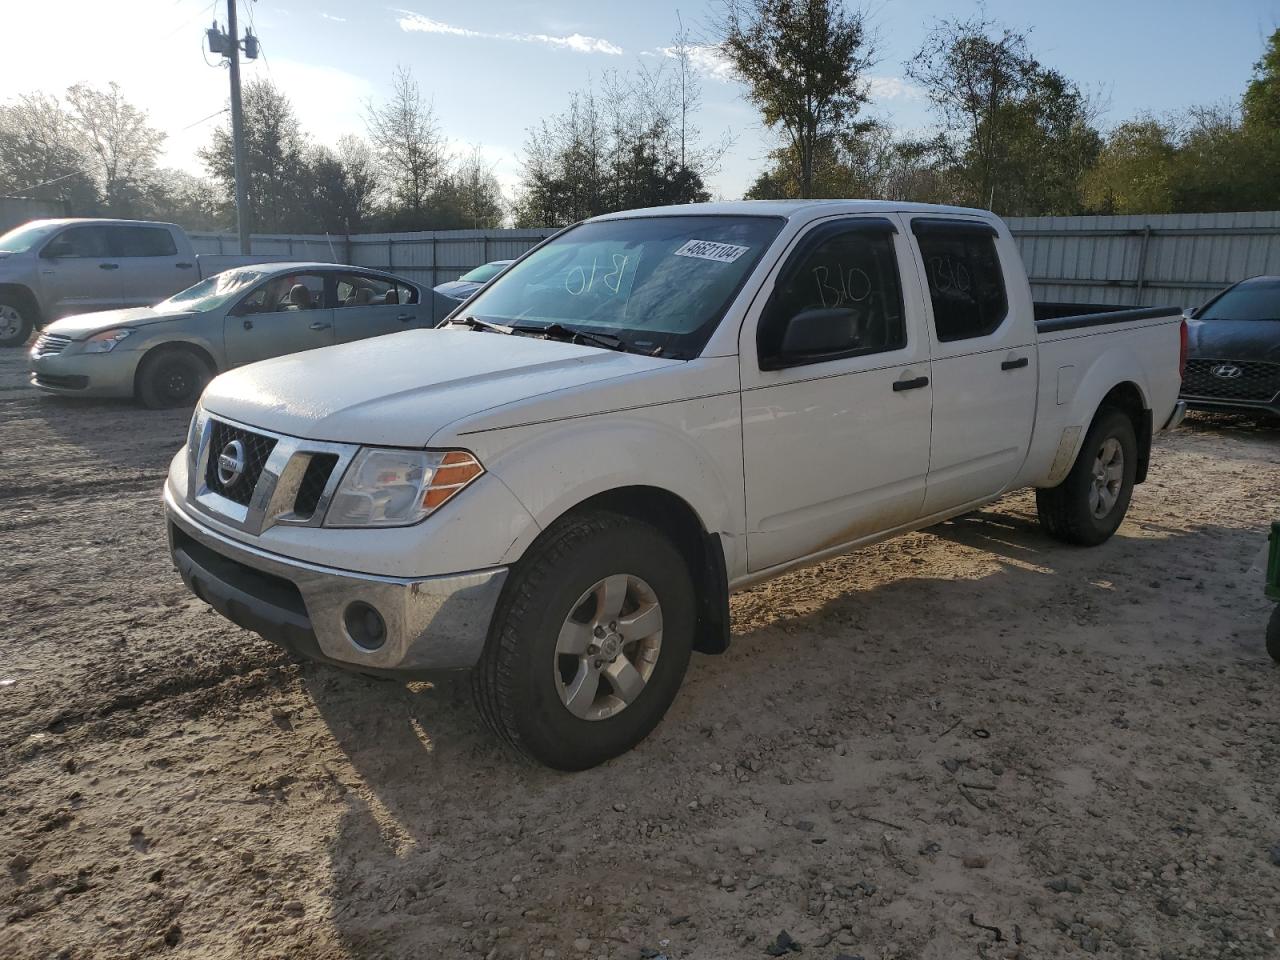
427 807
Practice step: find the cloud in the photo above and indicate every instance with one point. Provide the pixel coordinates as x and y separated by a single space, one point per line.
330 16
704 58
417 23
893 88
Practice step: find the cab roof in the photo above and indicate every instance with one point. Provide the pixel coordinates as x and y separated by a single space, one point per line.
797 209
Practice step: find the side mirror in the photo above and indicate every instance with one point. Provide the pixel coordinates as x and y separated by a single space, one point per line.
824 330
1189 313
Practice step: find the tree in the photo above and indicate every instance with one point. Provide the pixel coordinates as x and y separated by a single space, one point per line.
274 159
1261 101
803 62
471 197
1134 171
40 155
1019 136
183 198
119 142
340 186
410 151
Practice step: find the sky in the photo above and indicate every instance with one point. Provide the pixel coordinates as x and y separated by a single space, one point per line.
495 68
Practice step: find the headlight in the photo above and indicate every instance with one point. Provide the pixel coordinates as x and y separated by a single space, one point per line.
106 341
193 437
394 488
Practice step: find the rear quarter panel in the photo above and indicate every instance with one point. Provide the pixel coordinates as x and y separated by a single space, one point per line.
1078 368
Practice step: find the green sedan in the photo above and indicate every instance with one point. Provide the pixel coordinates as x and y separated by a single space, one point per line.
164 355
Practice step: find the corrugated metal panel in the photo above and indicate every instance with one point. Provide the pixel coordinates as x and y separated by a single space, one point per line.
1148 260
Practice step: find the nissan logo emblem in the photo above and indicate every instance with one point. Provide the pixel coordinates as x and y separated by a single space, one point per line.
1227 371
231 464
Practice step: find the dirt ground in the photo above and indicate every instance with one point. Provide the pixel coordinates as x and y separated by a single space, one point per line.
970 742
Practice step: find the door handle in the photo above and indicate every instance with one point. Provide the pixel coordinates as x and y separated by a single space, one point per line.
916 384
319 325
248 324
184 266
108 266
1014 364
405 317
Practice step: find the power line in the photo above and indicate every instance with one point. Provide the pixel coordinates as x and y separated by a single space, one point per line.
216 113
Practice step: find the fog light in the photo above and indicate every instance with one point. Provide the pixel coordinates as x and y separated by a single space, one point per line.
365 625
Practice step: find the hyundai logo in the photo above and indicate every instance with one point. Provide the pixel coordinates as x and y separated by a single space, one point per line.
1227 371
231 464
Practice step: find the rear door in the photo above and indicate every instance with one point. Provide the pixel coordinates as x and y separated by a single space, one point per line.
984 361
78 272
282 315
835 445
368 305
150 270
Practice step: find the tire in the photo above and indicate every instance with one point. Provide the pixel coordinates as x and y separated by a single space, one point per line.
1081 510
171 377
1273 635
16 323
524 676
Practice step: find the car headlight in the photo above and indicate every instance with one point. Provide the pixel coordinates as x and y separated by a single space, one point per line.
106 341
194 432
394 488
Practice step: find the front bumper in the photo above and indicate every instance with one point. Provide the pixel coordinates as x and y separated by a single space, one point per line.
86 374
1229 405
433 624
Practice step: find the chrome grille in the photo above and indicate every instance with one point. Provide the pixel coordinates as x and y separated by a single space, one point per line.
49 345
314 481
257 449
1256 379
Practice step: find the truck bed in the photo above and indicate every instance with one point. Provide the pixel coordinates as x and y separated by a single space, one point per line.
1052 316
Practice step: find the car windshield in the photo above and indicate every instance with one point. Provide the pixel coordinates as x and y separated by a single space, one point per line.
658 284
211 293
23 238
1253 301
485 273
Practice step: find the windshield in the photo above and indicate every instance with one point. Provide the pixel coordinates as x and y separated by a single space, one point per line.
659 284
212 293
485 273
1259 300
23 238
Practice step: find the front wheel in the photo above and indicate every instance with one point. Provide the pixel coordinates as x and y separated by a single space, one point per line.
1273 635
590 642
171 377
15 324
1088 506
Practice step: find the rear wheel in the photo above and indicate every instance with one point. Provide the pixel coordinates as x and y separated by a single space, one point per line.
1089 505
1273 635
590 642
171 377
16 322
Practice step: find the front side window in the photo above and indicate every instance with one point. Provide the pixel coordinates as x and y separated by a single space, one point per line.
658 284
142 242
1255 300
78 243
966 283
292 292
838 296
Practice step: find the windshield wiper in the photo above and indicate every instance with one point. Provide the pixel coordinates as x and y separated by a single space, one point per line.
558 331
475 323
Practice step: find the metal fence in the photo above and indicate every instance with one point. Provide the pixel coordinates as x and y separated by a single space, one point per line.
430 257
18 210
1157 260
1146 260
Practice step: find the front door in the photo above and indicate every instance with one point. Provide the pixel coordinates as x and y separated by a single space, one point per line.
78 273
836 405
282 315
984 362
367 305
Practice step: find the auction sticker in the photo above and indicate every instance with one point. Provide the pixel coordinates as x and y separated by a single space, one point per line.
710 250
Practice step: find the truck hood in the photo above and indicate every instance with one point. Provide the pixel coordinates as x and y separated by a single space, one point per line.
1234 339
400 389
81 325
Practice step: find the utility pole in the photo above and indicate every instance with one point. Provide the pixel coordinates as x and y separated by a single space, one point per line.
228 44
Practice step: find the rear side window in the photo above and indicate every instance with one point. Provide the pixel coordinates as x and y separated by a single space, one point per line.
966 284
849 272
142 242
363 290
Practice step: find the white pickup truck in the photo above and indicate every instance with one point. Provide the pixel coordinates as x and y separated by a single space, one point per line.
559 488
52 268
